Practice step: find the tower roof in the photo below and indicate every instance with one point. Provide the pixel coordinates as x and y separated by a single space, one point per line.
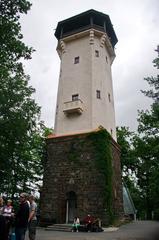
85 21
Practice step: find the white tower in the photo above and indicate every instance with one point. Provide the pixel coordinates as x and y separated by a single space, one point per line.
85 93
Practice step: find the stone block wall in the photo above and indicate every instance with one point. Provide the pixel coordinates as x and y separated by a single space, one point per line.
70 168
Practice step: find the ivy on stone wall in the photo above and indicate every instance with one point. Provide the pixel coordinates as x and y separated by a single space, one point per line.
73 154
103 155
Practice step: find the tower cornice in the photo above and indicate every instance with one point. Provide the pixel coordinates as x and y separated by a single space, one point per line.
104 41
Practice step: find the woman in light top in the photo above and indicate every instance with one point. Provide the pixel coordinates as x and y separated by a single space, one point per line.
76 224
8 213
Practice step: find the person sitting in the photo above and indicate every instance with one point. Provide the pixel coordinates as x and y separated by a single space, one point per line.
76 224
88 221
96 225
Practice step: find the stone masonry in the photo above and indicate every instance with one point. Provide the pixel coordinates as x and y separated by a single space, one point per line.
70 171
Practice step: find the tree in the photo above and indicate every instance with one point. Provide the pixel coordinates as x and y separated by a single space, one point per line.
129 163
140 154
20 132
124 139
146 145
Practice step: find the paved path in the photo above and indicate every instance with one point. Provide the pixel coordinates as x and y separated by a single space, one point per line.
139 230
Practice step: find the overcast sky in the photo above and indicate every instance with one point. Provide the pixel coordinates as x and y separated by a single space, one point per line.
136 24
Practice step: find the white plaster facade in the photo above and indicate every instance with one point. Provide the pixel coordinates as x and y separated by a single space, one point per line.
91 74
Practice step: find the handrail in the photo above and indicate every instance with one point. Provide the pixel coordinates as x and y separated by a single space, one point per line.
97 27
78 100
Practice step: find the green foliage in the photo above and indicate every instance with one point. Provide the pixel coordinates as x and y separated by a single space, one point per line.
128 162
21 145
102 143
146 145
73 154
140 154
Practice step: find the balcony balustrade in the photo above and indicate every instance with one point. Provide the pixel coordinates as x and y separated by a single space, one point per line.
72 107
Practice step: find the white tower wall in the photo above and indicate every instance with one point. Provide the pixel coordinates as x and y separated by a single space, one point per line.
91 74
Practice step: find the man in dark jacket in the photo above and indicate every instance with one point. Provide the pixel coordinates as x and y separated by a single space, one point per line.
21 219
88 221
2 228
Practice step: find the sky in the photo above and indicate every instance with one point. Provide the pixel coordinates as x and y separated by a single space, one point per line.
136 24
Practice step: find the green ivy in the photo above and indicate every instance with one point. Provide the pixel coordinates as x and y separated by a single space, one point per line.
103 155
73 154
101 145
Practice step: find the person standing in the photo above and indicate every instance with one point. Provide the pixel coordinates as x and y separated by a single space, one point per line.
2 228
21 218
2 221
8 213
32 218
1 205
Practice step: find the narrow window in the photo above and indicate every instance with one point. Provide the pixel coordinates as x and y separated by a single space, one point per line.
109 97
76 60
106 59
57 109
111 131
60 72
75 97
98 95
96 53
115 194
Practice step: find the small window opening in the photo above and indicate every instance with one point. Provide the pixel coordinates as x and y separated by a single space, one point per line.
115 193
111 131
98 94
75 97
96 53
106 59
76 60
109 97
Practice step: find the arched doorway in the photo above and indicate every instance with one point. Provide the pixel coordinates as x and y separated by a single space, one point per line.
71 206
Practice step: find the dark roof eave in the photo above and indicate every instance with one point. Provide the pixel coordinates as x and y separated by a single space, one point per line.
78 18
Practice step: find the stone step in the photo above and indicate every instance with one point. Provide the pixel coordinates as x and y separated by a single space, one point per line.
68 228
59 227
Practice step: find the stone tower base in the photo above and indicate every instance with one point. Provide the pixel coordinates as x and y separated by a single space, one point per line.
76 182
